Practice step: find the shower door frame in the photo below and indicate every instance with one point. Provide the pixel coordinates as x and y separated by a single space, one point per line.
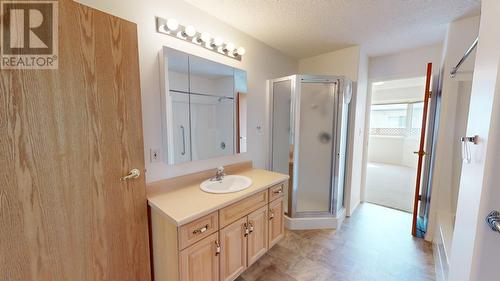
295 95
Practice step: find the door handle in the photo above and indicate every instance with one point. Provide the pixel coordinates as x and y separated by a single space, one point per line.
134 173
493 221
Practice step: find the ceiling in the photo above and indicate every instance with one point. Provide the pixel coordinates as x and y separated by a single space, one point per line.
304 28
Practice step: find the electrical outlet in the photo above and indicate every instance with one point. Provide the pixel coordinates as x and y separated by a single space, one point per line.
154 155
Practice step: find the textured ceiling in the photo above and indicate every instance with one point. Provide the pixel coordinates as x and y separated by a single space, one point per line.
304 28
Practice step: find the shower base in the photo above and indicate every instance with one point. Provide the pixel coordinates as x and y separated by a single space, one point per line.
315 222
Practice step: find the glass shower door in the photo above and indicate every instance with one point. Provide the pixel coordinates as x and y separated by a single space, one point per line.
282 137
317 107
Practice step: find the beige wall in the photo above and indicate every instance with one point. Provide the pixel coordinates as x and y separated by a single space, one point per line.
342 62
405 64
261 62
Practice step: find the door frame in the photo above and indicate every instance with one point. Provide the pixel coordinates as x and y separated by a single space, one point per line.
433 121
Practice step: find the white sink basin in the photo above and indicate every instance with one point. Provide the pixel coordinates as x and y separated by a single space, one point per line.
231 183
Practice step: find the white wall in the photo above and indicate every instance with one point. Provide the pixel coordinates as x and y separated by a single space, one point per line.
475 251
261 62
460 35
355 177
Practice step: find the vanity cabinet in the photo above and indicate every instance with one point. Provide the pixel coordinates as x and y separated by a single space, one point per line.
233 249
200 261
258 235
276 222
221 245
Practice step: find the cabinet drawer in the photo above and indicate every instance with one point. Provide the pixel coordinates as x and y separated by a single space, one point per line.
277 191
242 208
198 229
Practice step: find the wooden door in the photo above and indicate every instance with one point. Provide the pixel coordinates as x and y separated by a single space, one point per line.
67 137
233 240
276 222
258 234
421 153
200 262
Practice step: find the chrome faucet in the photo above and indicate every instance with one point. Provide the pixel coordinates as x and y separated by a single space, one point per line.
219 175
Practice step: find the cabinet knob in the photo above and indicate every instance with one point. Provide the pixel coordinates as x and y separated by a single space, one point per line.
271 215
246 230
217 248
250 227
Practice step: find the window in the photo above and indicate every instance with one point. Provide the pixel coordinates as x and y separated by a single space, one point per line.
401 119
416 118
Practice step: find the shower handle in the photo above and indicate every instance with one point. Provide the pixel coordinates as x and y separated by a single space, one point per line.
183 141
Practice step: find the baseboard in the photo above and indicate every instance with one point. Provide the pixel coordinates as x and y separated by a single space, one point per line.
353 209
315 222
440 259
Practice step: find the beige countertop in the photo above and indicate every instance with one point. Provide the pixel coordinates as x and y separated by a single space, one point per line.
186 202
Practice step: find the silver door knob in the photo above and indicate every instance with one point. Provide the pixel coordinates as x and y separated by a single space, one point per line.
493 220
134 173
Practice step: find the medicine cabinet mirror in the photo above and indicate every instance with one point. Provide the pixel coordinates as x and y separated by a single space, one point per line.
203 108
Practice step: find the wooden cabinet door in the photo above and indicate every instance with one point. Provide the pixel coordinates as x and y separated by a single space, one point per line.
258 236
233 257
67 136
200 262
276 222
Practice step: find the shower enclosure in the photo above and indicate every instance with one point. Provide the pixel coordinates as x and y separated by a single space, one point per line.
309 127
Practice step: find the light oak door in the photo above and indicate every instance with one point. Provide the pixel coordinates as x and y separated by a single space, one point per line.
233 239
258 234
67 136
200 262
276 222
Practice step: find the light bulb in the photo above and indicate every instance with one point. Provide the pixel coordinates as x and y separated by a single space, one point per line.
189 31
229 47
204 37
172 24
240 51
217 41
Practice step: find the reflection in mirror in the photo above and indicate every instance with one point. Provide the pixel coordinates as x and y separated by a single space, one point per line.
204 106
241 90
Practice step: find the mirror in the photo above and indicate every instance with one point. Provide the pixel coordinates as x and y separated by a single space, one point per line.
204 108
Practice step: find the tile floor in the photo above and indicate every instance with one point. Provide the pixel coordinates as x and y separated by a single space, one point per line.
373 245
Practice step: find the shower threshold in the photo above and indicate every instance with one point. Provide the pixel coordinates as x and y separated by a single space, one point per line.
303 223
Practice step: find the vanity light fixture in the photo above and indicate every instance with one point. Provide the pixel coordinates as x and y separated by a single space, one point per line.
188 33
172 25
229 48
217 42
239 52
205 37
